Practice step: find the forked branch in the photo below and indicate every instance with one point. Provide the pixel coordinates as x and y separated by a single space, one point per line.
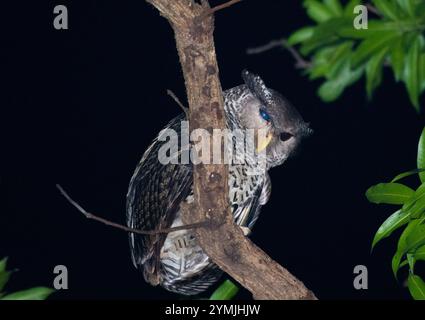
92 216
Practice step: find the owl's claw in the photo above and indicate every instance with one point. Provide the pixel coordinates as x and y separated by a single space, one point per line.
246 231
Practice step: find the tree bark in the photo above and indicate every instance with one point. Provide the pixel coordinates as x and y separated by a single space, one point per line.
221 239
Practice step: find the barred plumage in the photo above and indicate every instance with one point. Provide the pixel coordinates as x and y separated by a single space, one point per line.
156 191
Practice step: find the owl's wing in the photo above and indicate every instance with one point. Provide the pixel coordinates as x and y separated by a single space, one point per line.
153 198
247 214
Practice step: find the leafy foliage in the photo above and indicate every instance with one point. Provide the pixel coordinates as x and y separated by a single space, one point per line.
342 54
411 244
226 291
37 293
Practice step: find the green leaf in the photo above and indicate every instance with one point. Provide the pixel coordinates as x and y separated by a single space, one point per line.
401 246
407 174
396 262
387 8
416 237
325 33
226 291
334 6
407 6
390 193
4 274
415 206
414 256
3 263
403 263
374 71
411 72
301 35
420 8
375 28
338 60
422 72
349 8
338 72
416 287
372 45
38 293
317 11
393 222
411 261
320 62
420 253
397 58
421 155
4 278
332 89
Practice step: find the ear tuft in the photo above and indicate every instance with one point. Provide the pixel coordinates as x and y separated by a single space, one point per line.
257 86
307 131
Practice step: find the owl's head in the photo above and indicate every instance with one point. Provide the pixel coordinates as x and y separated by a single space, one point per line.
254 106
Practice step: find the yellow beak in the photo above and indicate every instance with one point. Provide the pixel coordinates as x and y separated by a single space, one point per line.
263 141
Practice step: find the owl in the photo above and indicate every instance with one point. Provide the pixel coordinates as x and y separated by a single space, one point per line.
156 190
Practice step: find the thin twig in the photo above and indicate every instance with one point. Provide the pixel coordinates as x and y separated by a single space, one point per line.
271 45
374 10
177 100
300 62
219 7
90 215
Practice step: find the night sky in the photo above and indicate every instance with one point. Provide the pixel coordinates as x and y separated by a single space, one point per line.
80 106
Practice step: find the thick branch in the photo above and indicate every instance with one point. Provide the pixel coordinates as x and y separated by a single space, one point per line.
221 239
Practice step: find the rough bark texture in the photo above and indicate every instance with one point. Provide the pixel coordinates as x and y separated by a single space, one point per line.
221 239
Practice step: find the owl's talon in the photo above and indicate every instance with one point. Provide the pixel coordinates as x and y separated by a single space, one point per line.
246 231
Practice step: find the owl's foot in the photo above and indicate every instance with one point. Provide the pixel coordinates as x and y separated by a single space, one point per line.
246 231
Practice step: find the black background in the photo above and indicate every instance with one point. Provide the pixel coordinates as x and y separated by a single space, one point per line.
79 107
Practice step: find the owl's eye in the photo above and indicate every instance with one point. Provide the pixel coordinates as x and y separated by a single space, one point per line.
264 115
285 136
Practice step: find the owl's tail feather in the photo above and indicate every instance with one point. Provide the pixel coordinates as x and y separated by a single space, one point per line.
196 284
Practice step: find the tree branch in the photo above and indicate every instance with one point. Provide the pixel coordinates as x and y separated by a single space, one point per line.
300 62
177 100
373 9
90 215
221 239
219 7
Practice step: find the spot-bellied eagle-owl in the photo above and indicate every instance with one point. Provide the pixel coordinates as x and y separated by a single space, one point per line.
175 260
